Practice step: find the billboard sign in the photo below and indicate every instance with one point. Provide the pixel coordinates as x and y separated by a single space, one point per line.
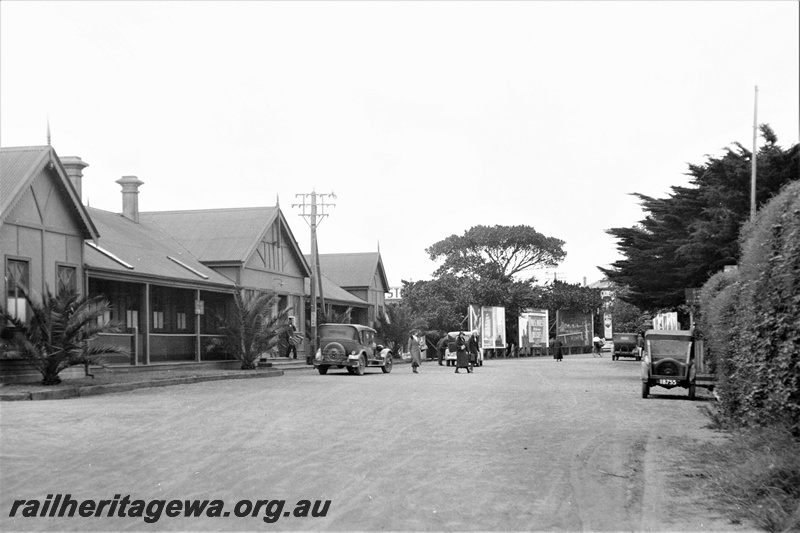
533 328
575 328
493 331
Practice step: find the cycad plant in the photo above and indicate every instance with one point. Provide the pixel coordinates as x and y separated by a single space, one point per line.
58 334
254 329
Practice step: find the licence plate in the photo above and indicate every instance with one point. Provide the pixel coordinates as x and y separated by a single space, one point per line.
667 381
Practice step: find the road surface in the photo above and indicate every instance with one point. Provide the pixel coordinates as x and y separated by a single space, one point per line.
519 445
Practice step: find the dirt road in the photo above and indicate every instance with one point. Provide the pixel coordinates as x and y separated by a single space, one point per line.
525 444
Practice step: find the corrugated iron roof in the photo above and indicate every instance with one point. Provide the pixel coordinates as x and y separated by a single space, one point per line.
333 293
221 235
148 249
215 234
18 168
352 269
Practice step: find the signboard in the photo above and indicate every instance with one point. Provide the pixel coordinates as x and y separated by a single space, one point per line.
493 331
608 326
692 296
199 307
533 328
574 328
666 321
475 318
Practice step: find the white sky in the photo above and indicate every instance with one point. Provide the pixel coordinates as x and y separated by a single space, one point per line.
425 118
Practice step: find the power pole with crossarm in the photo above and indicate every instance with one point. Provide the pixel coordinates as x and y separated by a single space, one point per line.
313 206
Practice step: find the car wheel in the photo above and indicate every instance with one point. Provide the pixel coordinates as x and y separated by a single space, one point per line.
692 391
362 364
387 366
645 389
322 369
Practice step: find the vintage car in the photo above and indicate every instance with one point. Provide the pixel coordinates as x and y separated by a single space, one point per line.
668 361
625 346
350 346
450 348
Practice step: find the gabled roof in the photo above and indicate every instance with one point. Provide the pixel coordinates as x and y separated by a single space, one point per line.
20 166
147 249
222 235
335 294
352 270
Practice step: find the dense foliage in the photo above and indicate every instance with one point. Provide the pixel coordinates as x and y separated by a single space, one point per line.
693 233
58 334
750 318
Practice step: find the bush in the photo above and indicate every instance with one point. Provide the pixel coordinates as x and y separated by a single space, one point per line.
751 319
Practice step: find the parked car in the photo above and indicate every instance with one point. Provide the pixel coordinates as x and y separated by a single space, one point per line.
450 349
668 361
350 346
625 346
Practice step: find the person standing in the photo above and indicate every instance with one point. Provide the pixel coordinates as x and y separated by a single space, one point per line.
462 356
558 353
473 347
639 346
416 353
290 333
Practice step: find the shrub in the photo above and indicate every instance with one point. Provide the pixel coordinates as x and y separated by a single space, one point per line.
58 334
751 319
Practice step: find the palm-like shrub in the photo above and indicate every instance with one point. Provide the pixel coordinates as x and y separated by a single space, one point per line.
58 334
253 329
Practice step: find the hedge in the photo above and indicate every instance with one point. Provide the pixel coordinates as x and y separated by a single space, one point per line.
751 319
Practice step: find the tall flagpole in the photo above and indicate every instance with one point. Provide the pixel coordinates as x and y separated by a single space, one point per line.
753 160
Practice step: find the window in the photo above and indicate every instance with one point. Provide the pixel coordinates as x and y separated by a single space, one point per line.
158 319
67 279
17 283
181 320
132 319
105 318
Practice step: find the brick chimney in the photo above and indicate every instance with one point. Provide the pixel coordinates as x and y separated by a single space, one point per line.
130 196
74 167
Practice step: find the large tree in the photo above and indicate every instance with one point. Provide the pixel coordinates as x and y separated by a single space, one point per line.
693 233
496 252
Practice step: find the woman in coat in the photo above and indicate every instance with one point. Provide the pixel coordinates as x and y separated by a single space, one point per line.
416 353
462 355
473 346
558 354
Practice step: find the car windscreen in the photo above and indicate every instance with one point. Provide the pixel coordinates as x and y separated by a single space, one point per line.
672 348
338 332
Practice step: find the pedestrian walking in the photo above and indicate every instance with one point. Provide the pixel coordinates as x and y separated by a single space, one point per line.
462 355
416 353
597 347
558 353
473 346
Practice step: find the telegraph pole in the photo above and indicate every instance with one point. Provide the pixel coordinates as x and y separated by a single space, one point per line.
753 161
313 206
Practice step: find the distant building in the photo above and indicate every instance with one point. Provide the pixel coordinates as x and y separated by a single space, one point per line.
363 276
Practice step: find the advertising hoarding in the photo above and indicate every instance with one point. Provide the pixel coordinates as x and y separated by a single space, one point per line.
493 331
533 328
574 328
